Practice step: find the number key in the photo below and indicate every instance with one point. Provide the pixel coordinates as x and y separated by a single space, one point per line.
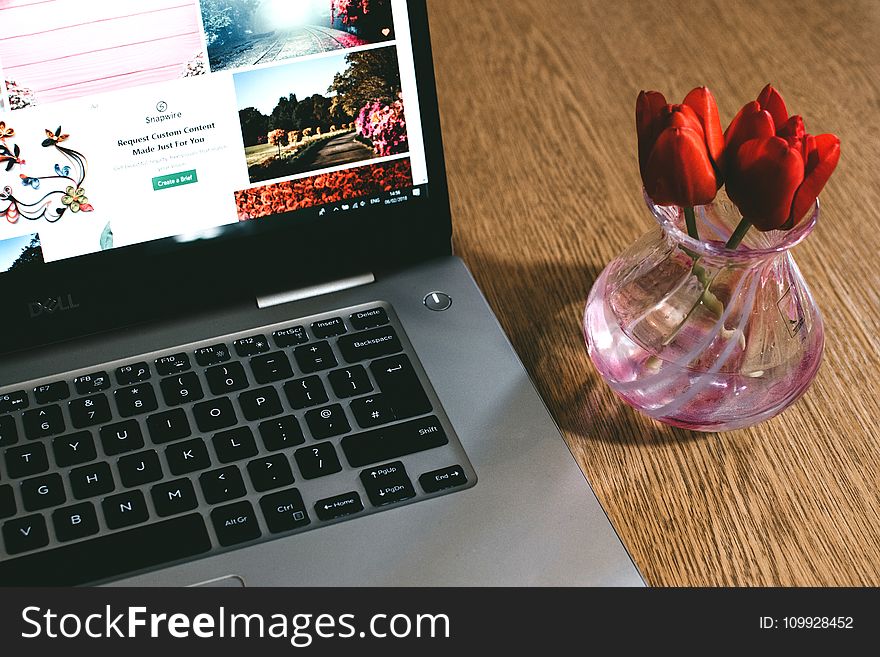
224 379
42 422
8 432
136 400
182 389
89 411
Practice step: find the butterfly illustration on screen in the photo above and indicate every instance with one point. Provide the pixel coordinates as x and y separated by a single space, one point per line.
28 181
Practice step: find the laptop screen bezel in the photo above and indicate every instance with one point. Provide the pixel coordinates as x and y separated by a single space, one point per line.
155 280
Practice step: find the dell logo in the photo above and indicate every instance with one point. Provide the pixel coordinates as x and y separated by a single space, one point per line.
52 305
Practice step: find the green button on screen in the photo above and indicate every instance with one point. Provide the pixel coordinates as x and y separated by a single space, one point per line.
175 180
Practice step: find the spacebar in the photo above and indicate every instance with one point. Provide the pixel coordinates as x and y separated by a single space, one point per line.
109 556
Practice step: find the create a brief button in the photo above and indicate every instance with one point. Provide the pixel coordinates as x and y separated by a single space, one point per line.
175 180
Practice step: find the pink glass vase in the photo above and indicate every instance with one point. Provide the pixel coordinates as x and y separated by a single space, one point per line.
702 337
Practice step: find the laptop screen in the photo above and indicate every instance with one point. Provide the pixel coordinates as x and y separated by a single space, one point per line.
131 121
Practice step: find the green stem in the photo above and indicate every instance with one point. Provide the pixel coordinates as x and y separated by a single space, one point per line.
738 234
691 220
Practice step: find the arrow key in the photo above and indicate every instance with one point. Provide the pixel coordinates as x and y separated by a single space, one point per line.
437 480
387 484
339 506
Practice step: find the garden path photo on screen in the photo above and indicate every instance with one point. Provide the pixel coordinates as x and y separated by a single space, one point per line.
243 33
321 113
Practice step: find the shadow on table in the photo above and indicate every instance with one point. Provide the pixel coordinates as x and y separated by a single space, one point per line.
540 306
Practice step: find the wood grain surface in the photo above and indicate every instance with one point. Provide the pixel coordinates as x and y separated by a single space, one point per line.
537 101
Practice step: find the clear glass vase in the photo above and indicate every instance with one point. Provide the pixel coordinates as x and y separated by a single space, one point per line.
702 337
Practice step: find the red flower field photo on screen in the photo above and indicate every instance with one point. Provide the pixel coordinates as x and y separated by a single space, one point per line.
323 189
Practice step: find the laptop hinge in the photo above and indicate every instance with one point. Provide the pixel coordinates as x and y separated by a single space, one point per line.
314 290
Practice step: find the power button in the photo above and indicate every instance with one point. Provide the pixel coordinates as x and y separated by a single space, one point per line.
438 301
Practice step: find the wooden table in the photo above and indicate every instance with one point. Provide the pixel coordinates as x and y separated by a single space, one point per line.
537 101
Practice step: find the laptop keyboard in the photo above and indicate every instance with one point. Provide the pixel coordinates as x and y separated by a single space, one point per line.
215 445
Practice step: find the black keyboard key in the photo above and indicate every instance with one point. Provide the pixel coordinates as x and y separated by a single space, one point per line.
13 401
126 509
235 523
306 392
260 403
224 379
394 441
281 433
182 389
372 411
174 497
223 485
450 477
91 383
89 411
213 355
270 472
328 328
136 400
21 535
168 426
315 357
290 337
26 460
170 365
49 393
215 414
251 346
139 469
42 492
91 480
327 422
75 521
350 382
74 449
387 484
339 506
284 511
42 422
235 445
8 432
368 345
400 383
110 555
130 374
7 501
122 437
188 456
367 319
318 460
271 367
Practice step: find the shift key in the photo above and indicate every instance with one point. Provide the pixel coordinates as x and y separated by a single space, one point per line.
393 442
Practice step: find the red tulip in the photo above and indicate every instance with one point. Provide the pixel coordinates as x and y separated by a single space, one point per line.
680 147
774 168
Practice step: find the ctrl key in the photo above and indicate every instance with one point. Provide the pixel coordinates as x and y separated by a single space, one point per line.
284 511
387 484
235 523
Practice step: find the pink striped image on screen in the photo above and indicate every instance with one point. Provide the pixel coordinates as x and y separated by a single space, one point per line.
62 49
